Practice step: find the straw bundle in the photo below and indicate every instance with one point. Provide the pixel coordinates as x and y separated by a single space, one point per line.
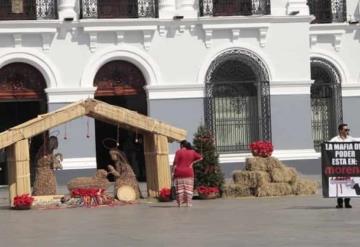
273 163
99 181
45 180
251 179
256 164
236 190
268 177
283 174
274 189
304 186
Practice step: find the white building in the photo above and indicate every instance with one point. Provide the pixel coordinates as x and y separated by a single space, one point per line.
248 69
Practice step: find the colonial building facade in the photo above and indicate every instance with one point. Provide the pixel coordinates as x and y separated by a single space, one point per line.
279 70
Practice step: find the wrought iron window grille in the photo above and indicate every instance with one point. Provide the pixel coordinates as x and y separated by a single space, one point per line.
238 113
28 9
119 9
234 7
328 11
326 101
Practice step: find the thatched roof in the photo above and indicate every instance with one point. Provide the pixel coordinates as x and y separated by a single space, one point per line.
92 108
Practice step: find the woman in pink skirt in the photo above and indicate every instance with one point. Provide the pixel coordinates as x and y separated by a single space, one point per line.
183 173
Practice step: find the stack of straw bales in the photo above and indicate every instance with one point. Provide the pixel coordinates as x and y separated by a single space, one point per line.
268 177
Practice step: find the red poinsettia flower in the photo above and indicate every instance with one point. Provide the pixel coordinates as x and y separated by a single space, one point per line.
262 148
204 190
24 200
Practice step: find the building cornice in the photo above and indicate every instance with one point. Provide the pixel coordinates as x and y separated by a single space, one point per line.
69 95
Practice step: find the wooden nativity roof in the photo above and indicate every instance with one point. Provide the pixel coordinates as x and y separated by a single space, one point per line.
93 108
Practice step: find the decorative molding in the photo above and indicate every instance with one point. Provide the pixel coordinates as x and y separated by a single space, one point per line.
235 28
208 38
337 41
79 163
180 91
162 30
17 28
182 28
17 40
290 154
68 95
93 41
290 87
119 27
120 35
336 34
46 40
350 89
235 35
148 34
313 39
262 36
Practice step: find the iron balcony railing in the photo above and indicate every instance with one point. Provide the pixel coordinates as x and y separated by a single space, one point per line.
234 7
119 8
328 11
28 9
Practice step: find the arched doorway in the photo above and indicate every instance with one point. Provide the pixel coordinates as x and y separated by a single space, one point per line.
237 106
122 84
22 97
326 100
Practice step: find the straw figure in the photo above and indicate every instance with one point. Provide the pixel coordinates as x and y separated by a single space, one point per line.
99 181
267 176
46 162
124 174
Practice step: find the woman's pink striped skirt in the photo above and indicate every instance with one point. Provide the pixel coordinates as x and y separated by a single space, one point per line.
184 191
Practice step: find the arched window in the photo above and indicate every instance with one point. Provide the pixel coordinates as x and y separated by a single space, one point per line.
237 106
326 101
121 83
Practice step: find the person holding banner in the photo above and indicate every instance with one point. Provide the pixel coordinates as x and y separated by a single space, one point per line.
343 136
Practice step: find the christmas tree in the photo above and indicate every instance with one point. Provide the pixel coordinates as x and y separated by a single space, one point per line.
207 171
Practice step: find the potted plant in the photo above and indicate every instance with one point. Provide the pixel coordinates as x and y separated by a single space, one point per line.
208 192
164 195
23 202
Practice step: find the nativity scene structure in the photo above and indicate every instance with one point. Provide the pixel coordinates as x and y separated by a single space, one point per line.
156 135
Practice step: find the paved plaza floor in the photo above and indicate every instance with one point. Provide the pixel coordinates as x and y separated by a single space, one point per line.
277 221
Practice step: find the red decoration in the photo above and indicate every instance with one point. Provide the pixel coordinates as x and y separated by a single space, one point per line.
207 190
23 201
262 148
164 195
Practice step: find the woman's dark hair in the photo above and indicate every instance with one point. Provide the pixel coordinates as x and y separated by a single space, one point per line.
185 144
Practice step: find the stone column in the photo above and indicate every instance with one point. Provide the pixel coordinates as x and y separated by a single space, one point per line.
187 8
297 6
166 9
67 9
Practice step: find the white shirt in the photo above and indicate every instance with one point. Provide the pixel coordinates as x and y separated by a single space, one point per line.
347 139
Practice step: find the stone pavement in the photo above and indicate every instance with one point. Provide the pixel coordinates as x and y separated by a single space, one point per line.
277 221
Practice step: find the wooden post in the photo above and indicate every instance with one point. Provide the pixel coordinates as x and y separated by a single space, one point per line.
156 151
19 169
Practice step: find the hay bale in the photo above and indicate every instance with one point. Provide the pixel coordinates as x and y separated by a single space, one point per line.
274 189
283 174
99 181
304 186
273 163
237 190
256 164
251 179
